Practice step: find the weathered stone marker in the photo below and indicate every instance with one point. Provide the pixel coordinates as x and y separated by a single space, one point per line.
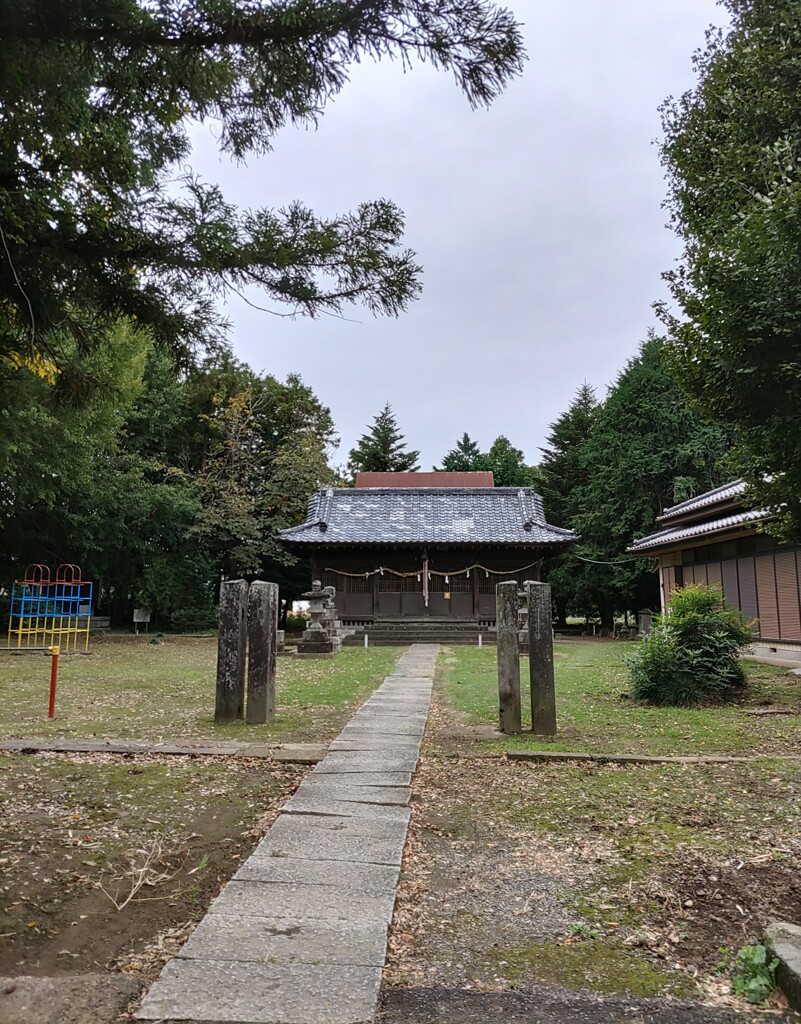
230 702
262 642
540 658
506 603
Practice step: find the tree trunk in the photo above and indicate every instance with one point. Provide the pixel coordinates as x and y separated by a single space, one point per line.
607 610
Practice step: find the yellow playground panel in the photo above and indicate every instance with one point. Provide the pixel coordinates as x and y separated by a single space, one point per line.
50 612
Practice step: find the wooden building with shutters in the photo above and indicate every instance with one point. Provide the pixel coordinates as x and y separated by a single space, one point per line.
713 538
423 546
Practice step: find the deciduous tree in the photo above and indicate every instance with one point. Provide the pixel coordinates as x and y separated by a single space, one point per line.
506 463
732 153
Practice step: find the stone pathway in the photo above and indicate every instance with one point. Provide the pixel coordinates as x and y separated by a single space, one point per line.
299 934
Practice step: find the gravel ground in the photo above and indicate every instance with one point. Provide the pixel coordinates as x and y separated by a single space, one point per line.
570 893
544 1006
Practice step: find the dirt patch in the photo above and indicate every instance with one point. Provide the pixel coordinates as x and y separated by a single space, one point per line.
489 905
108 861
75 999
624 880
729 904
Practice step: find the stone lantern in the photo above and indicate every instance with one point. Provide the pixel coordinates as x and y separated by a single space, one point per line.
321 637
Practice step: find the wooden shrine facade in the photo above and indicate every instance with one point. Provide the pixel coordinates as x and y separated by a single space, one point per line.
374 585
432 552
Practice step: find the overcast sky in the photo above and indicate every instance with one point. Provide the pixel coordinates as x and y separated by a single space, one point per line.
538 223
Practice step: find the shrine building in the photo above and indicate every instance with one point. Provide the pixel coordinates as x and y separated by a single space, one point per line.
423 545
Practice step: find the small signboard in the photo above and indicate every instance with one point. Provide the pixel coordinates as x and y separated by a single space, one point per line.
141 615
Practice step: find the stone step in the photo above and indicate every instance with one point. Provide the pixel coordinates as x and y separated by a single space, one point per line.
398 639
422 624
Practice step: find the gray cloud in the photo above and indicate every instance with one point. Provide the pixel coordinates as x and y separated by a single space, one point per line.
538 223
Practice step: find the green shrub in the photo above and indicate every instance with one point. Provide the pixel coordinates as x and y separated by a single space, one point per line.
691 656
194 620
296 623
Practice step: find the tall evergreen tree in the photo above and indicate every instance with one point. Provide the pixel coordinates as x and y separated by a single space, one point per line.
99 223
561 477
464 457
382 449
560 467
646 449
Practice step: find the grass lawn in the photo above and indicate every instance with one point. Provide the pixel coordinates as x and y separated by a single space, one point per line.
131 688
595 716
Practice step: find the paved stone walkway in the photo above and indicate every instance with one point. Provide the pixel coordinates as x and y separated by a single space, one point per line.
299 934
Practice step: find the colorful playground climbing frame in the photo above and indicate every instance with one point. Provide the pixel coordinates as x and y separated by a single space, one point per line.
47 612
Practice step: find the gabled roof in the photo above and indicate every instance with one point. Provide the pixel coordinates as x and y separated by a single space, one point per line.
726 493
718 511
424 515
672 536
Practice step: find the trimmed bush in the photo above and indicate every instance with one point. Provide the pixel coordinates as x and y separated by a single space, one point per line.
691 656
296 623
194 620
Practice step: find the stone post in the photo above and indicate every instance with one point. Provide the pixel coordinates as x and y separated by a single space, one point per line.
507 602
262 642
540 658
229 705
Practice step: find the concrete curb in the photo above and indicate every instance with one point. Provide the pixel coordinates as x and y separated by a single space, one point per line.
544 755
287 753
783 941
550 757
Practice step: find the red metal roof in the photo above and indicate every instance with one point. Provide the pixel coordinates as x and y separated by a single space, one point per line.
482 479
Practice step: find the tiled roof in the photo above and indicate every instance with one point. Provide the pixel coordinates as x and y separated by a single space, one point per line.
679 533
420 515
727 492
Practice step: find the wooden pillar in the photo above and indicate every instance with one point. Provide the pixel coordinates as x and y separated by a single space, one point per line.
540 659
229 705
474 574
506 605
262 629
376 578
